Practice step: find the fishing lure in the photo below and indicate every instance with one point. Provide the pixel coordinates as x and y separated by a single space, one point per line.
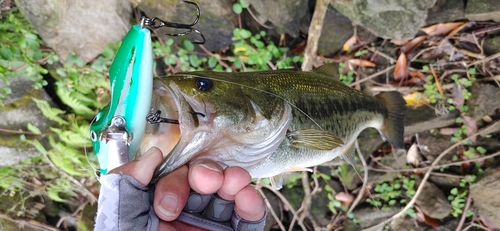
118 128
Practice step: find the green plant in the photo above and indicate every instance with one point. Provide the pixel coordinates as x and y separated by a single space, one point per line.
396 192
20 53
345 78
258 55
458 196
240 5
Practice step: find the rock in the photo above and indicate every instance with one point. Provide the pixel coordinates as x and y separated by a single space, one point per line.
336 30
490 45
486 196
18 111
431 145
446 11
433 202
484 101
217 19
387 18
424 118
288 18
482 10
371 216
85 27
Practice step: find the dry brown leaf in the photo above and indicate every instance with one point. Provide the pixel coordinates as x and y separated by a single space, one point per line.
399 42
448 131
344 197
411 45
362 63
412 155
350 42
401 69
416 99
458 97
486 222
441 28
471 127
438 83
426 219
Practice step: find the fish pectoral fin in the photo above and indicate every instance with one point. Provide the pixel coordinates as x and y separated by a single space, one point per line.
314 139
348 153
277 181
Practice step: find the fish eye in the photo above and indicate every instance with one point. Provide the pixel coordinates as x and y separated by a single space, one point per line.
93 136
204 84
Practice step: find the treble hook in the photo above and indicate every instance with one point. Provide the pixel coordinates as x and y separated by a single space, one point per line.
158 23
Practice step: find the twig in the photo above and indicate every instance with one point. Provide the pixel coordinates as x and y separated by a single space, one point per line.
20 132
365 179
286 202
30 223
314 33
306 202
438 166
464 213
219 60
428 173
387 69
271 210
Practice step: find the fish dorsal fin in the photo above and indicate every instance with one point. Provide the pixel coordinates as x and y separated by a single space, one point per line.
348 153
329 69
314 139
277 181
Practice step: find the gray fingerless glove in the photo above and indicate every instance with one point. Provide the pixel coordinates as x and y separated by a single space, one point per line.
124 204
214 213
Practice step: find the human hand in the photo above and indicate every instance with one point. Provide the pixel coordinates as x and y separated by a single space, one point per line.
203 176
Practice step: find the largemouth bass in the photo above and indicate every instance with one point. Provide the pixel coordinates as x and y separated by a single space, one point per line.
267 122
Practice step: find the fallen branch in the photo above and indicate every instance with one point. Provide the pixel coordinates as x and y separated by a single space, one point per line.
28 223
314 33
365 179
427 175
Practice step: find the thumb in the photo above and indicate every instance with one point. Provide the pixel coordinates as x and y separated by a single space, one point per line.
143 168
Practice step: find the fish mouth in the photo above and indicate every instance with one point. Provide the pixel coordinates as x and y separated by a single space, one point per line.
174 120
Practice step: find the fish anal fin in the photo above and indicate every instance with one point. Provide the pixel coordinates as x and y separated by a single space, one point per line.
299 169
348 153
314 139
393 126
277 181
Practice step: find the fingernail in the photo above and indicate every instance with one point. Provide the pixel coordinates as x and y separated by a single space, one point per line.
168 205
148 153
210 166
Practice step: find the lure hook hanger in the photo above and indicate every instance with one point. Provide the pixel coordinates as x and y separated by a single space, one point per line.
158 23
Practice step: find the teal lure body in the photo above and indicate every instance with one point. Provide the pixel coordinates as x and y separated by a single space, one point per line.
119 127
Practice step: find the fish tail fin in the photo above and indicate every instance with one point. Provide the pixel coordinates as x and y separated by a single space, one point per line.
393 127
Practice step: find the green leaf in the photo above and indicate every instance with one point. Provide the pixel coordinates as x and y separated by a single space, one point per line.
212 61
188 45
5 53
49 112
237 8
34 129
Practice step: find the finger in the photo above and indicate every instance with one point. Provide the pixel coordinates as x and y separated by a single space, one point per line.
141 169
249 204
171 194
205 176
235 179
